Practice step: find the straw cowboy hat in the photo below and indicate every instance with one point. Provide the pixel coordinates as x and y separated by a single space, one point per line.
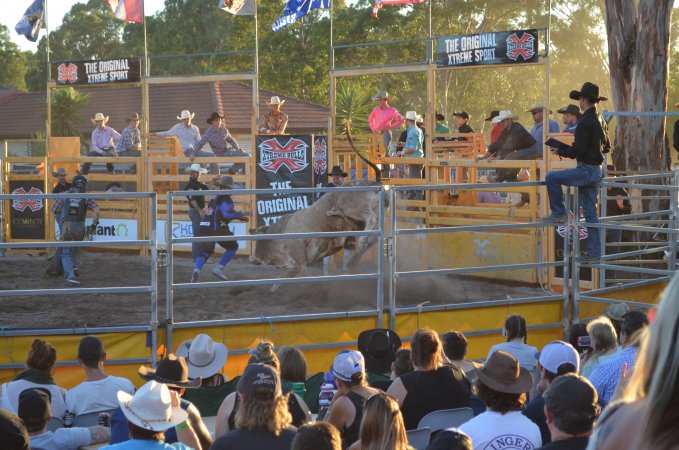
185 115
538 107
60 172
504 115
502 373
151 407
337 170
382 95
99 117
171 370
275 100
412 115
203 356
590 90
195 168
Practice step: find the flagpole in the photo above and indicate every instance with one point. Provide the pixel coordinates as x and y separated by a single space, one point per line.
48 126
146 49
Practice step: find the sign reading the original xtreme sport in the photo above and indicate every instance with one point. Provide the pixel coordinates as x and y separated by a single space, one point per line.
71 73
503 47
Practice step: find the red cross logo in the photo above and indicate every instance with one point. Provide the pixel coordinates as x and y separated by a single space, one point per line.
292 155
67 73
523 47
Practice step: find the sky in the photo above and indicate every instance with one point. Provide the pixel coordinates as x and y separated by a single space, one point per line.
12 10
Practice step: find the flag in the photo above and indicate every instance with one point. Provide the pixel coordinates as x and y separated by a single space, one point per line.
127 10
295 9
238 7
33 19
380 3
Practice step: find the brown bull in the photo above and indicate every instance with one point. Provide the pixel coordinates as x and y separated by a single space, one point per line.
334 211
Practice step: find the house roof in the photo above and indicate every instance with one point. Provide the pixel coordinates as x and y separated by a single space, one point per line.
22 114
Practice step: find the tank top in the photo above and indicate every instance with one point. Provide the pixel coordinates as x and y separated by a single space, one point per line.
350 433
432 390
296 411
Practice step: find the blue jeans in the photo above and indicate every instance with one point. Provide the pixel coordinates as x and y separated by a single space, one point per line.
586 177
73 231
386 168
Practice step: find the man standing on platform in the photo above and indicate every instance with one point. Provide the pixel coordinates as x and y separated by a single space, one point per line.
275 121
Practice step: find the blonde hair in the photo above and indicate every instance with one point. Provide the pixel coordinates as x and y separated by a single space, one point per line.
264 354
382 426
604 337
293 364
270 413
655 379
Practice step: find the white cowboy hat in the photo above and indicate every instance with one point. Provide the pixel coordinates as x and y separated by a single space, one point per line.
151 407
204 356
275 100
99 117
505 114
186 115
412 115
195 168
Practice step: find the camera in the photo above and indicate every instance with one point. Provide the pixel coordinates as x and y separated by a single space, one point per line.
584 341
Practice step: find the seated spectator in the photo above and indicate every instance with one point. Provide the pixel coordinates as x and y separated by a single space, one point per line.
571 115
616 312
263 354
606 375
604 343
317 436
346 408
382 425
13 434
173 372
378 347
432 385
403 363
99 392
129 143
263 420
502 385
571 408
646 417
574 333
218 136
516 332
450 439
152 411
455 348
104 140
35 411
205 359
40 367
293 365
556 358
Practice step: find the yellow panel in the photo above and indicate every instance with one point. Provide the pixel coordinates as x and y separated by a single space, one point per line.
650 294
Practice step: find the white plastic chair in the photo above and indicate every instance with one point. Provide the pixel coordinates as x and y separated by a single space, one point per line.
90 419
419 439
445 418
54 424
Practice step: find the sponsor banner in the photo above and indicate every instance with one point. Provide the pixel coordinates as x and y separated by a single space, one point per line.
114 229
503 47
183 229
320 161
283 162
582 234
71 73
27 215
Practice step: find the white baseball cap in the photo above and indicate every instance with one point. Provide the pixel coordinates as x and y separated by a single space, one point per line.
556 353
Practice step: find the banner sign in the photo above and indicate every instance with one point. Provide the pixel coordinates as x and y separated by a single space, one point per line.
503 47
114 229
184 229
320 161
71 73
283 162
27 215
581 234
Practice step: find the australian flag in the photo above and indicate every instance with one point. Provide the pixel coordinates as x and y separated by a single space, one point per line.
33 19
295 9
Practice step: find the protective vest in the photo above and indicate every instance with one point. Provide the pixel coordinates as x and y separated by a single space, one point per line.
76 209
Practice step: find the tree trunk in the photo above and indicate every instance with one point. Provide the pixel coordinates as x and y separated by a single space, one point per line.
638 52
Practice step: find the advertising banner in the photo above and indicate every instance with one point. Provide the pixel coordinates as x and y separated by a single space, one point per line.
72 73
582 234
283 162
27 215
503 47
320 161
184 229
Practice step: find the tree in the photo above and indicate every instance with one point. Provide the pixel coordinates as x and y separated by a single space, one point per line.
66 106
13 67
353 105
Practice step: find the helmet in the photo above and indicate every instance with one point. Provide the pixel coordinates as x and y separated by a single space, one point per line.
79 182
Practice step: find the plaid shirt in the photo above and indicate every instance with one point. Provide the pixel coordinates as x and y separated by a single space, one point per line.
217 138
606 375
128 139
58 204
273 123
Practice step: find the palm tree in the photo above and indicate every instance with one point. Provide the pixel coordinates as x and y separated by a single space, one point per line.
66 106
353 106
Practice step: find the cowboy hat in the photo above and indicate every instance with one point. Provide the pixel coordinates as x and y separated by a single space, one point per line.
590 90
411 115
502 373
275 100
203 356
382 95
570 109
151 407
99 117
223 181
214 116
185 115
133 116
60 172
195 168
439 117
538 107
504 115
337 170
172 371
378 346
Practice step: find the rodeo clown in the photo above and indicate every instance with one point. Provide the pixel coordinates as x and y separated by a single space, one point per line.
220 213
72 212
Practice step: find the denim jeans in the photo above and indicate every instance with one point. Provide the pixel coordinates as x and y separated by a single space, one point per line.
386 168
214 167
586 177
73 231
107 154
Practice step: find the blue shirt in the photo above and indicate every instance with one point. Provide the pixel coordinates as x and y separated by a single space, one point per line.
188 136
525 353
137 444
570 128
536 131
606 375
414 140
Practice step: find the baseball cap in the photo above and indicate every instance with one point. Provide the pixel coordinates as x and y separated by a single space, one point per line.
259 380
462 114
616 311
347 363
35 406
13 434
573 394
557 353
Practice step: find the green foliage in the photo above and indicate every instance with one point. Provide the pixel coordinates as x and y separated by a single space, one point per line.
13 67
66 106
353 105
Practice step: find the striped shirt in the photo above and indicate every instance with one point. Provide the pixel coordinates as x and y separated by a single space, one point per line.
128 139
217 138
606 375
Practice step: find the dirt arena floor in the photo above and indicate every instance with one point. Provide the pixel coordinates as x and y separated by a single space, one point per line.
26 271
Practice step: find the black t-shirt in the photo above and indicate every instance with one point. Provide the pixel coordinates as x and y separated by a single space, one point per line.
612 208
195 185
59 188
431 390
578 443
239 439
535 411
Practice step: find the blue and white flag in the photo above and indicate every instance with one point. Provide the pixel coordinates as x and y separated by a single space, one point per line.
295 9
33 19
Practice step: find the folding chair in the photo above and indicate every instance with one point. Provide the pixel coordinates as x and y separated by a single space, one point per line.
445 418
90 419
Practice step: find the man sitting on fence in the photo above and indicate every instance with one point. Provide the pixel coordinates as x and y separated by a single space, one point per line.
187 133
218 137
129 143
104 140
